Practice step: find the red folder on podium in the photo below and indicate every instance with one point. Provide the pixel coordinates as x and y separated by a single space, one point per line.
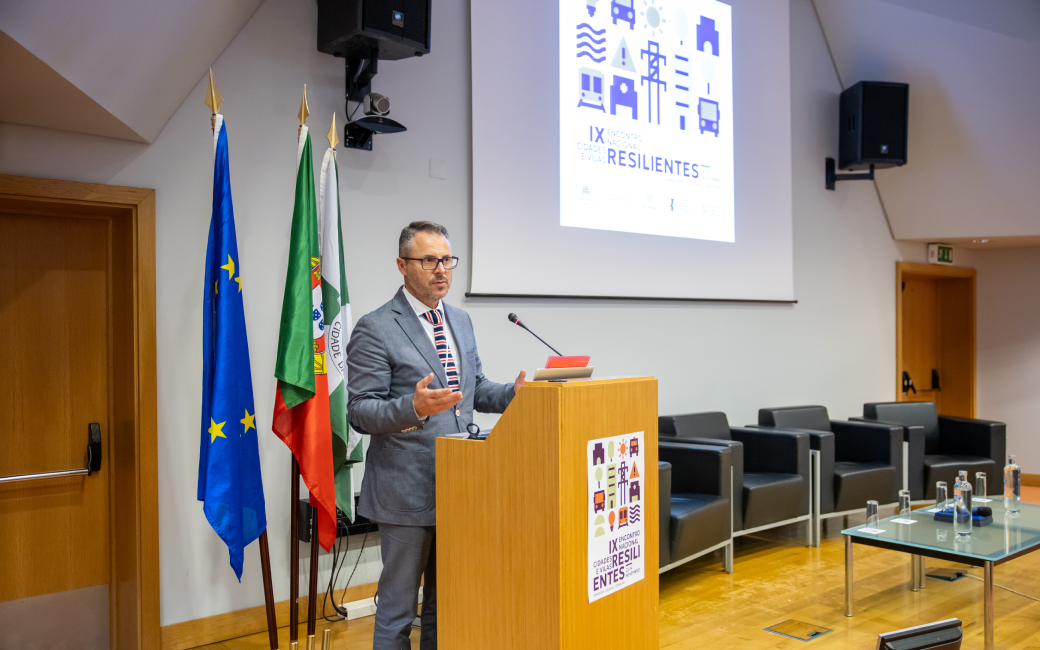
564 368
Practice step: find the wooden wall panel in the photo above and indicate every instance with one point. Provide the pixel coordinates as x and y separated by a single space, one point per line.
622 619
497 530
221 627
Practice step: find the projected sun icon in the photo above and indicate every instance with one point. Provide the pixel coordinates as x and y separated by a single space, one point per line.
654 20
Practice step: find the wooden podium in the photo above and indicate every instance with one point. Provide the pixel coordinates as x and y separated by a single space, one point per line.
512 524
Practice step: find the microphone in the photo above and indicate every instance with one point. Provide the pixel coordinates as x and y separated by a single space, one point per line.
513 318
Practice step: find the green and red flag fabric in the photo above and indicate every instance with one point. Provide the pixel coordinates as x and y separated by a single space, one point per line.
346 447
301 409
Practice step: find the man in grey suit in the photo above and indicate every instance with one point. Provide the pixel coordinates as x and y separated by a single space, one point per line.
413 375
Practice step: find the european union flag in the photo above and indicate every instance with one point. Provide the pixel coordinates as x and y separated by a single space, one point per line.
230 484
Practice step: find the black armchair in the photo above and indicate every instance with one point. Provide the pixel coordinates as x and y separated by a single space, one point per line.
859 461
770 468
940 445
695 503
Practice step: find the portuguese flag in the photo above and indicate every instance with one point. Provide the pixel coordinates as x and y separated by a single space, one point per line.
301 407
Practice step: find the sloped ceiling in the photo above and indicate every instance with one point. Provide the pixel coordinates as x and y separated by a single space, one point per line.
973 168
117 68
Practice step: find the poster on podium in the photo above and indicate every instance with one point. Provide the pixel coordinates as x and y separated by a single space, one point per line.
615 513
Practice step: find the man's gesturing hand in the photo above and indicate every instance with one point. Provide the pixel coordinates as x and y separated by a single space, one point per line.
521 379
431 402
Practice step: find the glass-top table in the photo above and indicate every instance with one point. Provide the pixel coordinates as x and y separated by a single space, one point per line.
1008 537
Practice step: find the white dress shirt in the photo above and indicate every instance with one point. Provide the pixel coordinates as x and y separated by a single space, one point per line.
421 309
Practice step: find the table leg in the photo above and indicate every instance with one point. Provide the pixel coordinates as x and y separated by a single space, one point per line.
848 575
988 605
727 558
915 566
921 572
814 457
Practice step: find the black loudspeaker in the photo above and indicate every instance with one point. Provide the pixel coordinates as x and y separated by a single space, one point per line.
873 126
374 29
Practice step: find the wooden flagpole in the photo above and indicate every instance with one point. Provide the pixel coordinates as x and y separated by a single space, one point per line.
294 560
265 567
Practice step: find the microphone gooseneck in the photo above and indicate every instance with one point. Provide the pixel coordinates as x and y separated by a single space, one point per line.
513 318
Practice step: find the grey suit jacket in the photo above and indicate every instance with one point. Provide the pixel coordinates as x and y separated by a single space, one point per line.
388 353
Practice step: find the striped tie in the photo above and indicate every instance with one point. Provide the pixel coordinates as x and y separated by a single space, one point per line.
440 341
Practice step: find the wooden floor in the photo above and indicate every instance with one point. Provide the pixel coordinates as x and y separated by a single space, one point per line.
777 578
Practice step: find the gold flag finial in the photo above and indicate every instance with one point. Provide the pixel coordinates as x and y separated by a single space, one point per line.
332 136
304 111
213 100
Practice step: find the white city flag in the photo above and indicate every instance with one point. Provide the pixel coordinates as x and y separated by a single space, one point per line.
346 447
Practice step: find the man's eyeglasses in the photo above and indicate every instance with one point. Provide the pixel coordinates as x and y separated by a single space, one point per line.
430 263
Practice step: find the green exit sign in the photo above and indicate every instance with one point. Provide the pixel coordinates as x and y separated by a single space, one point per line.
940 254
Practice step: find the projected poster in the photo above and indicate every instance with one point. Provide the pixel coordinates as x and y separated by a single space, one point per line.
646 117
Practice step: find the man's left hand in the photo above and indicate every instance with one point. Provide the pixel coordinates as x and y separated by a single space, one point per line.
520 380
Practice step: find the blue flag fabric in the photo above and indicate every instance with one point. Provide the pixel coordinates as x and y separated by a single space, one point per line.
230 484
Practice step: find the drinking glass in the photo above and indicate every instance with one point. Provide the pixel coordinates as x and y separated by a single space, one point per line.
904 503
872 514
940 494
980 484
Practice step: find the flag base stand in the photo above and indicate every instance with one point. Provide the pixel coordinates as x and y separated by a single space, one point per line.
294 574
312 593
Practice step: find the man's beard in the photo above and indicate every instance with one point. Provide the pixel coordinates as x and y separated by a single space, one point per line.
426 292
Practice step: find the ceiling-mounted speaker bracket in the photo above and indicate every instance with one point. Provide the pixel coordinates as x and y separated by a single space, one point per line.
359 76
833 177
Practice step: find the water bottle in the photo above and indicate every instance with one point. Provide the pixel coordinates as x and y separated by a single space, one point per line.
962 489
961 520
1012 487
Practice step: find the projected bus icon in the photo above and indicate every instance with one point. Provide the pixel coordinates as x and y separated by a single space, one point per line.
709 114
623 10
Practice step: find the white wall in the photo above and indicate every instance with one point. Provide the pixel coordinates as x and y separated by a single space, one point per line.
964 61
1008 373
835 347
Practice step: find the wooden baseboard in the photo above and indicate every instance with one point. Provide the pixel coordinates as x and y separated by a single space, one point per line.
1032 480
214 629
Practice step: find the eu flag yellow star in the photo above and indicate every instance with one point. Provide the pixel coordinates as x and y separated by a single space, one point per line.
239 281
248 421
230 267
214 430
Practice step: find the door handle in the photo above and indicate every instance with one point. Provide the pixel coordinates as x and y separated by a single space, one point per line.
93 461
908 383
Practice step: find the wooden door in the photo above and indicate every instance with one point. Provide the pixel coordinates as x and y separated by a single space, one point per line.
79 556
921 340
935 336
54 355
